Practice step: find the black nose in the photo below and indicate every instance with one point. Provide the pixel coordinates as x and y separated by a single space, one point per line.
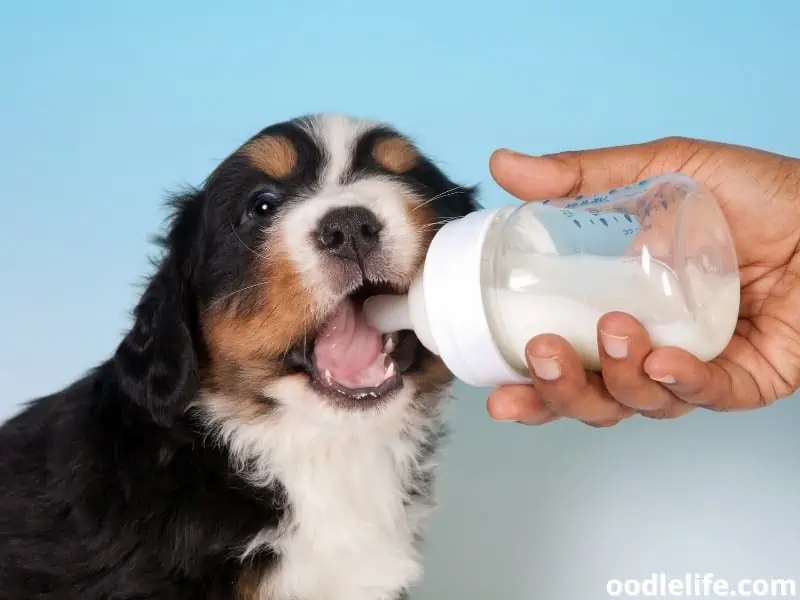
349 232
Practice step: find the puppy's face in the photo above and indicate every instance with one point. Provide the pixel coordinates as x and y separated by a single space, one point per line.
301 224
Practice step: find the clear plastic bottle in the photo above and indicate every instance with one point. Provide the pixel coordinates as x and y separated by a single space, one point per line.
659 250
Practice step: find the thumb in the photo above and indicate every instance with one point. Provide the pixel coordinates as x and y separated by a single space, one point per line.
581 171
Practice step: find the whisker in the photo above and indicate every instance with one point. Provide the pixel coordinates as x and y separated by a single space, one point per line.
239 291
449 192
443 194
437 197
244 289
438 223
443 220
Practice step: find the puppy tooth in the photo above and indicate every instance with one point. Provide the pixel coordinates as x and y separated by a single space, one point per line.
389 343
390 370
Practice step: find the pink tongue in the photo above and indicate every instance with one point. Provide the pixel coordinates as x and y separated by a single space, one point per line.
350 350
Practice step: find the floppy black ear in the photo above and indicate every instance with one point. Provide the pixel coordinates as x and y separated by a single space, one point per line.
156 364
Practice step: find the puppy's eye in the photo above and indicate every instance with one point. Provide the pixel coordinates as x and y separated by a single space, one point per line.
262 204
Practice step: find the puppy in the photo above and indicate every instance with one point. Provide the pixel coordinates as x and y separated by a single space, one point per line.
251 437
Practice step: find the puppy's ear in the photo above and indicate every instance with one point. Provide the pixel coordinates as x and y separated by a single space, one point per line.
156 364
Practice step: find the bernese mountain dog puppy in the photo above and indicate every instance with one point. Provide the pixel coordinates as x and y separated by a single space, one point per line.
251 437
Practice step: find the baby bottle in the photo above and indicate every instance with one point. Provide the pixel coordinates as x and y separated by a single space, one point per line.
659 250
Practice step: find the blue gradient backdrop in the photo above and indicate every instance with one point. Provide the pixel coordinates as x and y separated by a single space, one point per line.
104 106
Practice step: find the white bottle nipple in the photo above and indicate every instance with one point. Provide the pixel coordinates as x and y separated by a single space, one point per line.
407 312
388 314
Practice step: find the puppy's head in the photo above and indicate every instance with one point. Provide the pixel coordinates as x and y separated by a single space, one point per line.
257 302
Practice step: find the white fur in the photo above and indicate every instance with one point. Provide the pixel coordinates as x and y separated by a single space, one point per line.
338 134
348 535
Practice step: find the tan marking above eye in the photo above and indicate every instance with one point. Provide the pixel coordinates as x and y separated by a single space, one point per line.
275 155
395 154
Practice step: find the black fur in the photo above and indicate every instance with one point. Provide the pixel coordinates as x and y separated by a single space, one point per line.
111 488
157 364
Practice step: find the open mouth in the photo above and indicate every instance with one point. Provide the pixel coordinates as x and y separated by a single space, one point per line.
352 362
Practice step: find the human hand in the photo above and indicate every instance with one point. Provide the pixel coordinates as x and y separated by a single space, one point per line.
759 193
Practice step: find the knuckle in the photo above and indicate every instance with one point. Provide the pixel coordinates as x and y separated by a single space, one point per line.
695 392
573 407
705 399
624 383
566 155
723 404
648 402
629 388
560 403
675 142
560 394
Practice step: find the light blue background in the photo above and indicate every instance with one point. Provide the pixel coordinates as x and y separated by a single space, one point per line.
104 106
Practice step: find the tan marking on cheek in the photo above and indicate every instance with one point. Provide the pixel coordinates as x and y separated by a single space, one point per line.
289 306
249 339
395 154
274 155
271 322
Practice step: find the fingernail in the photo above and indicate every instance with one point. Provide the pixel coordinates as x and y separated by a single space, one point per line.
614 345
668 379
546 368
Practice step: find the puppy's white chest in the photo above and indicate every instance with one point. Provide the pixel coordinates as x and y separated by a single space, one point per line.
350 532
345 557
